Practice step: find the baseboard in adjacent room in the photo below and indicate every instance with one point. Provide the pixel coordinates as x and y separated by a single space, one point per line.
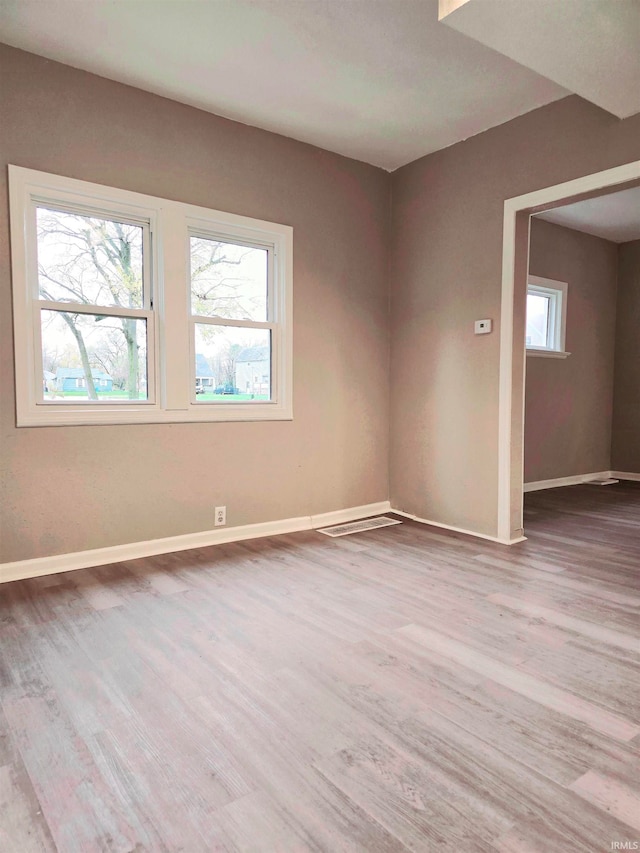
622 475
576 480
23 569
580 479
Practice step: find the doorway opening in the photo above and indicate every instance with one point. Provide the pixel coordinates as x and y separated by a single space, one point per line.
515 270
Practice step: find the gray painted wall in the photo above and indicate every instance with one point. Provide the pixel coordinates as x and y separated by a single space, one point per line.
625 448
446 273
568 402
76 488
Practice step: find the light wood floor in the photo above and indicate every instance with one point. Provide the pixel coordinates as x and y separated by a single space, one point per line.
405 689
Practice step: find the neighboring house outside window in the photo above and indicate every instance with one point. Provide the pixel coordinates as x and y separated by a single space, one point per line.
205 377
73 378
252 371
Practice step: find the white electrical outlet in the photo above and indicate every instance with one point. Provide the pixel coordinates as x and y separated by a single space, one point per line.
221 516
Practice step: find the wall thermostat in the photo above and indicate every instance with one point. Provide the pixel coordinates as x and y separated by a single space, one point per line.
483 327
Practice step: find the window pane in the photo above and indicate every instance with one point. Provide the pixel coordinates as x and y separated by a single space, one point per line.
228 280
232 364
90 260
89 357
537 320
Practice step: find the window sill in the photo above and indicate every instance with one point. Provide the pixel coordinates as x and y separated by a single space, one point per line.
53 415
547 353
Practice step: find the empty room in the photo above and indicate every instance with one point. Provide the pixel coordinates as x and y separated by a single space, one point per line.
319 426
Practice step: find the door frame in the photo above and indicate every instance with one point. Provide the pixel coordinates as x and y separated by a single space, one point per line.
515 263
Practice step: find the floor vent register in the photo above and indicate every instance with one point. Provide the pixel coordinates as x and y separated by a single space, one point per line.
359 526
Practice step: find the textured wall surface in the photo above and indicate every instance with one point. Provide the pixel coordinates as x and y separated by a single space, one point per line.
568 402
446 273
70 489
625 445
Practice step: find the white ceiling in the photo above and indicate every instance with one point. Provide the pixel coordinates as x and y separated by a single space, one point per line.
614 217
591 47
379 80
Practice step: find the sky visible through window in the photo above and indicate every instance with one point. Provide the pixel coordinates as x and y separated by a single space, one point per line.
95 262
537 320
230 281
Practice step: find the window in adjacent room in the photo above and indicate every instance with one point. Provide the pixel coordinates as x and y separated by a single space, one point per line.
546 317
130 308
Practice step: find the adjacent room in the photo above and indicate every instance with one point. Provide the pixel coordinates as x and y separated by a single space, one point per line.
581 396
318 323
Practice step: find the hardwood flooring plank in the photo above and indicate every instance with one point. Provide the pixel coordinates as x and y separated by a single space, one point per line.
330 817
161 581
595 594
527 563
79 809
180 816
99 596
529 686
23 827
410 688
497 779
562 620
387 685
610 795
257 824
408 797
598 674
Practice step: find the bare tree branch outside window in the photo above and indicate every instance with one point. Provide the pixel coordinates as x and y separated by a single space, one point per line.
94 261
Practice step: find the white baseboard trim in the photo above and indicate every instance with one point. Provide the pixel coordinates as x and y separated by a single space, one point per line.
39 566
576 480
23 569
622 475
459 529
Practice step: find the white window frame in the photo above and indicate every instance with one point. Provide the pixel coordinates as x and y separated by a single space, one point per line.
211 230
35 304
557 294
170 341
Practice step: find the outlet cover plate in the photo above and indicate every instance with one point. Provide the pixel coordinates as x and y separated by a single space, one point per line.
483 327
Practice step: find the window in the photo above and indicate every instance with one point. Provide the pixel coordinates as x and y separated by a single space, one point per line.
130 308
230 312
546 317
94 307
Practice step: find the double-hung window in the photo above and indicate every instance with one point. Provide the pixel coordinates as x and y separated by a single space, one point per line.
130 308
231 315
92 316
546 317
